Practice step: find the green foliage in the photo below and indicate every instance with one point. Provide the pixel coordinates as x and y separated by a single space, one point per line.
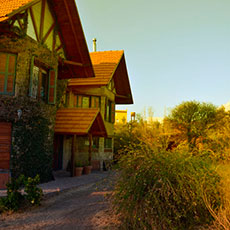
192 120
164 190
33 193
15 199
35 156
32 136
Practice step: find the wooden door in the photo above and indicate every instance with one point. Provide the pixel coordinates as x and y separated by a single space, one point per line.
5 145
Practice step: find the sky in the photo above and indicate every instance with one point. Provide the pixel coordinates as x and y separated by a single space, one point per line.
175 50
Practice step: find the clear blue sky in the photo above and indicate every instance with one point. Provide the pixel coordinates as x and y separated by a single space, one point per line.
175 50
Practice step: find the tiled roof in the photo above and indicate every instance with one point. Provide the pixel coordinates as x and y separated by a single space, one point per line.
8 6
74 40
78 121
104 65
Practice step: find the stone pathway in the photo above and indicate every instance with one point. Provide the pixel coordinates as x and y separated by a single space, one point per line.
83 206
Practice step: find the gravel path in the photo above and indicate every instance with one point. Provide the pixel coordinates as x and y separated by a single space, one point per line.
84 208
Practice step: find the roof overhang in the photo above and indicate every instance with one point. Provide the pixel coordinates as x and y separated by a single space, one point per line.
71 34
122 85
73 37
105 71
80 121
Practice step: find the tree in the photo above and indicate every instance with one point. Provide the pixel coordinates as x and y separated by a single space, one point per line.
192 120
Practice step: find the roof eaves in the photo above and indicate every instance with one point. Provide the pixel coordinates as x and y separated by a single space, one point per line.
90 125
116 66
21 8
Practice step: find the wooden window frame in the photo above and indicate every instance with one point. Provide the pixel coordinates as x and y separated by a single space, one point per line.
91 99
48 86
108 112
6 74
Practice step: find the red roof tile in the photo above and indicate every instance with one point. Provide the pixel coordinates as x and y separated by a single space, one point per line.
104 65
79 121
8 6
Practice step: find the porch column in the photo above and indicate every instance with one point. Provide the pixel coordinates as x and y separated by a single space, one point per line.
90 147
73 155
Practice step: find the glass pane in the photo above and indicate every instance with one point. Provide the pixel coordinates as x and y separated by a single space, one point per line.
2 79
3 58
85 102
43 85
34 87
10 83
11 66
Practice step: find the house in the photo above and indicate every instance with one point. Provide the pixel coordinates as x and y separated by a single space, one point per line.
121 116
41 46
97 96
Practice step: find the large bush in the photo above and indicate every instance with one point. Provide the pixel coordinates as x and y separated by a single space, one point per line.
164 190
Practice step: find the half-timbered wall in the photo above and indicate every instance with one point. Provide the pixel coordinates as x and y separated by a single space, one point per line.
42 27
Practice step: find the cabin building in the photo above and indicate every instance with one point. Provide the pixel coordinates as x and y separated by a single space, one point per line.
41 46
97 96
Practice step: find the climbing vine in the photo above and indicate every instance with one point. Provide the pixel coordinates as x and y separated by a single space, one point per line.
32 133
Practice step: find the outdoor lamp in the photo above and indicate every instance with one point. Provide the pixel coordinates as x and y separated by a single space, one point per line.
19 113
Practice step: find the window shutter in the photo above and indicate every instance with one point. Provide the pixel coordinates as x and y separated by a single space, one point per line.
52 87
113 112
7 73
31 77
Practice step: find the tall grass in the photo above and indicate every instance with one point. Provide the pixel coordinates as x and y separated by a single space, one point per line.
221 214
164 190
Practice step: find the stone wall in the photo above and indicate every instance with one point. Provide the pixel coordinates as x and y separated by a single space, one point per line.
32 134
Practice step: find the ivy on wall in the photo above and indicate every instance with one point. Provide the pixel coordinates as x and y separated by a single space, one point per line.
32 134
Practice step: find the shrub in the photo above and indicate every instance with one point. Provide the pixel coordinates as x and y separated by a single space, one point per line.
164 190
15 199
33 193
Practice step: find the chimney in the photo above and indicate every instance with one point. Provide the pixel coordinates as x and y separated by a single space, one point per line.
94 44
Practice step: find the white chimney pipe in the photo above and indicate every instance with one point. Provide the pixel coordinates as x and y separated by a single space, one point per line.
94 44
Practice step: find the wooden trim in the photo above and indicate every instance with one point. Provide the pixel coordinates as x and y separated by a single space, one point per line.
48 33
20 24
42 20
23 8
59 47
73 63
72 26
34 23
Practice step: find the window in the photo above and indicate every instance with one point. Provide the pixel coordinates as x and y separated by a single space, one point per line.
108 143
42 82
110 111
7 73
96 142
95 102
81 101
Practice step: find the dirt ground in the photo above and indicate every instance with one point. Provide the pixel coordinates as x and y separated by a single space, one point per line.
86 207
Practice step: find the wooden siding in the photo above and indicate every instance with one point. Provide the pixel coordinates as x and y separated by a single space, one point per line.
5 145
